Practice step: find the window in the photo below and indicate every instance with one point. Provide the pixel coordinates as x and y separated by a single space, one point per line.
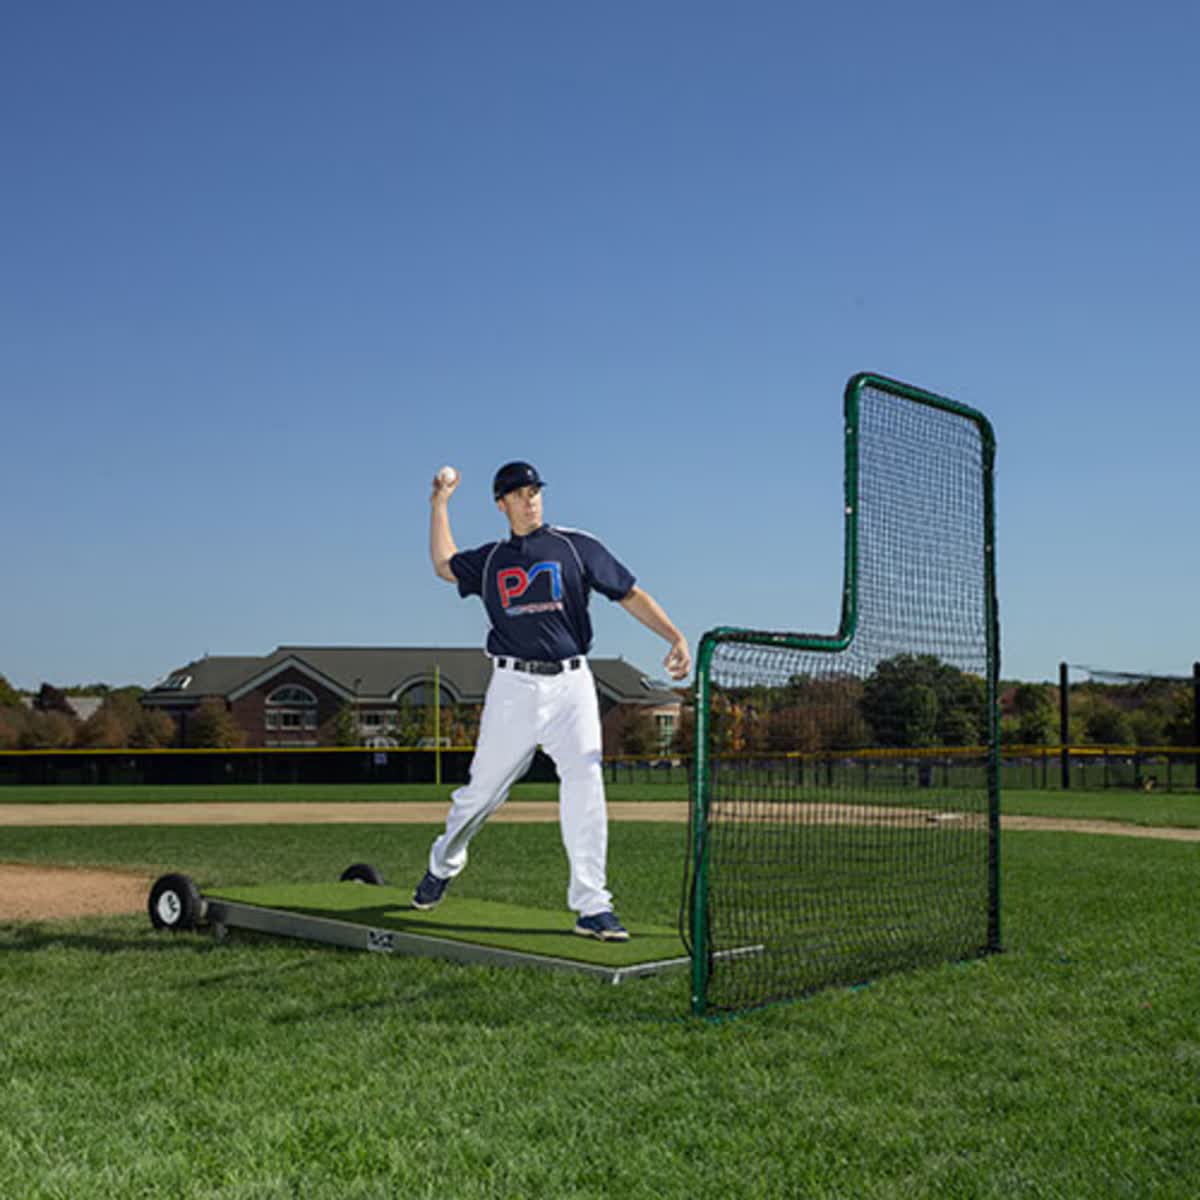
291 694
420 695
665 725
291 708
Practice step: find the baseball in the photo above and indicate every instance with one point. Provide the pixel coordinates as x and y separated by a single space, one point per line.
447 475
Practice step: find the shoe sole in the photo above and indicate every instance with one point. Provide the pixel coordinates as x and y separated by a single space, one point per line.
602 936
425 907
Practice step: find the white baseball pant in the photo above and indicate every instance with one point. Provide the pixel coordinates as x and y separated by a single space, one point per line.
562 715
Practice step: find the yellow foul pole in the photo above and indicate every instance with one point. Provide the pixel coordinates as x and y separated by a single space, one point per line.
437 724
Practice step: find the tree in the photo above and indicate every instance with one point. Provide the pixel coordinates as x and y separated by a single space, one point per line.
9 696
460 723
414 725
345 731
52 699
918 704
1105 724
102 730
828 713
1149 726
918 700
48 731
1036 719
725 723
683 739
637 734
153 728
213 727
13 722
1180 728
121 722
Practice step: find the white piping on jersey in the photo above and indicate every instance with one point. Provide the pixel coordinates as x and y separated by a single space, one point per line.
558 532
487 562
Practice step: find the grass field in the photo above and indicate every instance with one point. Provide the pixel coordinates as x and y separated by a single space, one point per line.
142 1064
301 793
1180 809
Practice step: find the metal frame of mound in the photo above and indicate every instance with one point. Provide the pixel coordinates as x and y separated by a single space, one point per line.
485 933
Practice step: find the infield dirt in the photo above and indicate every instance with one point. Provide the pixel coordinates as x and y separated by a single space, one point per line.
31 893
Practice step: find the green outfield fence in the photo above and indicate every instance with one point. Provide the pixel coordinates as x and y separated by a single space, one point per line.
266 766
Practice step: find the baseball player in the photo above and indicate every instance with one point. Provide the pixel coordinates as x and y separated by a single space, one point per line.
535 586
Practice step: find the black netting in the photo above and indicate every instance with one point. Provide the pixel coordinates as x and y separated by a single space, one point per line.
847 829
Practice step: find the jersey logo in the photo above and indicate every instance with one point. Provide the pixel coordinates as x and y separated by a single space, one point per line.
513 582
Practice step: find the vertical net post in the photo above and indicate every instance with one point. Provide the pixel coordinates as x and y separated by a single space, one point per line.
1064 725
1196 720
696 903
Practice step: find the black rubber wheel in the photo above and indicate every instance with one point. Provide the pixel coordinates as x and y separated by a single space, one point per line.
363 873
175 903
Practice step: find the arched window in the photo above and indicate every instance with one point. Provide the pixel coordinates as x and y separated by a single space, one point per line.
420 695
291 708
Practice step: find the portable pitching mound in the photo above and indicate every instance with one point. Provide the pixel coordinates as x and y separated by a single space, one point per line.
360 912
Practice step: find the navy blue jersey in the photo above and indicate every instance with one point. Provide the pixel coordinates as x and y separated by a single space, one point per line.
536 590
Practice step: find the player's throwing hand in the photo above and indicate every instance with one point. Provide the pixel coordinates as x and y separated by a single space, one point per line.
444 483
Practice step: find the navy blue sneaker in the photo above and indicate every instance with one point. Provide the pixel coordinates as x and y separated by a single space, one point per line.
604 926
429 892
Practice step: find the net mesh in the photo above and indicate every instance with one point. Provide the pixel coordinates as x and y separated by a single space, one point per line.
1133 729
847 827
1128 678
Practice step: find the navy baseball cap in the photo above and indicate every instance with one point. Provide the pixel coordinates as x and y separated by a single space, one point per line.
515 475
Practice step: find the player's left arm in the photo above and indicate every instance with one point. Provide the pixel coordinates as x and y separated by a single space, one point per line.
640 604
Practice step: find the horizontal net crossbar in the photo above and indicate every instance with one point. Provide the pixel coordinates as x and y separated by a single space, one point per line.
1107 675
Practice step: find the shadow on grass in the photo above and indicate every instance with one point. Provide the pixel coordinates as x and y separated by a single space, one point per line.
415 993
35 936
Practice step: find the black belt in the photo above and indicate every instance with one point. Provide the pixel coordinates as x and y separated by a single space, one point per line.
534 667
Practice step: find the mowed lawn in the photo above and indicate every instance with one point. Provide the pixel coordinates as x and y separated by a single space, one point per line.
142 1064
1179 808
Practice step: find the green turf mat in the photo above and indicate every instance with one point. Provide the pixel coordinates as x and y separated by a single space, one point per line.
457 918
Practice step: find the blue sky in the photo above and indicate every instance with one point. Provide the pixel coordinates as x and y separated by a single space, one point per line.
265 267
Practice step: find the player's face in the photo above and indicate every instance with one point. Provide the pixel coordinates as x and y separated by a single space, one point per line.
523 508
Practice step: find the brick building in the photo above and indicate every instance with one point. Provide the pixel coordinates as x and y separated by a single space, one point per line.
291 696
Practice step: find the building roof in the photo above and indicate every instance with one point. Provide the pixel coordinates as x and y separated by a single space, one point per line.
82 706
381 673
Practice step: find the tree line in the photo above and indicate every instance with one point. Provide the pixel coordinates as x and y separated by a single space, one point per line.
917 700
909 700
912 700
49 722
1152 712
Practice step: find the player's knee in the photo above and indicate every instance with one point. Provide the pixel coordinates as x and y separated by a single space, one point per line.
587 768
